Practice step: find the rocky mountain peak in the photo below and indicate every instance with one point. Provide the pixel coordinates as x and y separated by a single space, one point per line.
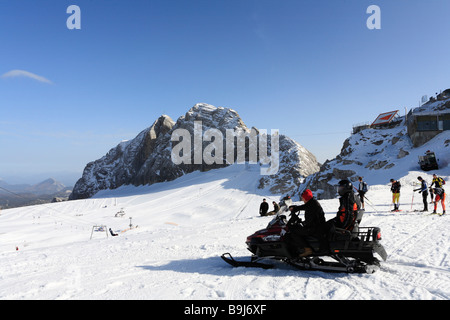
218 116
147 158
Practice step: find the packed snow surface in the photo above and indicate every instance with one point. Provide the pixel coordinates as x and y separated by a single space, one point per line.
180 229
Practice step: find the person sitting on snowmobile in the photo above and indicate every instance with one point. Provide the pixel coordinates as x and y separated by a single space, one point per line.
348 208
313 225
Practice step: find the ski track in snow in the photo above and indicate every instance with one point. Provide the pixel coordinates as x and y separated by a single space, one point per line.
183 228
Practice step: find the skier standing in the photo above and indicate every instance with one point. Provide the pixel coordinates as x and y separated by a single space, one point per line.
438 182
424 190
362 189
263 208
395 188
440 196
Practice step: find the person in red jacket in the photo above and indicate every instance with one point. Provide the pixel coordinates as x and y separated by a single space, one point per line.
440 196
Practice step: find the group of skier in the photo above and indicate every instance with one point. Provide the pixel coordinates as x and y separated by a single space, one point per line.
436 190
315 225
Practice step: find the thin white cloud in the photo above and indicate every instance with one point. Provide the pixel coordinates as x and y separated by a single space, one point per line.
23 73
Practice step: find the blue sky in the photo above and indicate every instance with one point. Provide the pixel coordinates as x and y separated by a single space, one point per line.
311 69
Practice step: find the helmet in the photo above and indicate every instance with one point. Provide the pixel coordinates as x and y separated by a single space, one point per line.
344 187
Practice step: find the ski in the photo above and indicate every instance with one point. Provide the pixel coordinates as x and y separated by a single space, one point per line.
310 264
435 214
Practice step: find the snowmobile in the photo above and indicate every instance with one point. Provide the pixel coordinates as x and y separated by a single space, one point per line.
428 161
349 251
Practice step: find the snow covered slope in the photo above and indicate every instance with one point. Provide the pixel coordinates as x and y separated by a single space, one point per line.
183 226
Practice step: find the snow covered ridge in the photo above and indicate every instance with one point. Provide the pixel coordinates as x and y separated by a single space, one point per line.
148 158
379 155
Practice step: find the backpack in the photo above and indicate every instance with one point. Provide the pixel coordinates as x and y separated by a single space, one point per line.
440 181
365 187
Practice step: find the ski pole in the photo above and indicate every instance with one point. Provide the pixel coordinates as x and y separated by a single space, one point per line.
370 204
412 200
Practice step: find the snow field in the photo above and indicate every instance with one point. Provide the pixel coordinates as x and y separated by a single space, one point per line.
183 228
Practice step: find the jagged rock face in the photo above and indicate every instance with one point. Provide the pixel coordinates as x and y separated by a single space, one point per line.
297 163
147 159
365 153
375 154
122 164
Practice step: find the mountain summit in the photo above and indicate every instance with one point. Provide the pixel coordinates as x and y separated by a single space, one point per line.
149 157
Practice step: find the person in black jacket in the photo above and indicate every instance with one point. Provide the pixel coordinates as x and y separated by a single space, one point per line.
424 191
263 208
362 189
348 208
395 189
313 225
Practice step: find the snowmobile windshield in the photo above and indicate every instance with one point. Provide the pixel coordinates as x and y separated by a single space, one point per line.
278 219
284 205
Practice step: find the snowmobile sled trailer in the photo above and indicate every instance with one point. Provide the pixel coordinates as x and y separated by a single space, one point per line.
428 161
348 252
